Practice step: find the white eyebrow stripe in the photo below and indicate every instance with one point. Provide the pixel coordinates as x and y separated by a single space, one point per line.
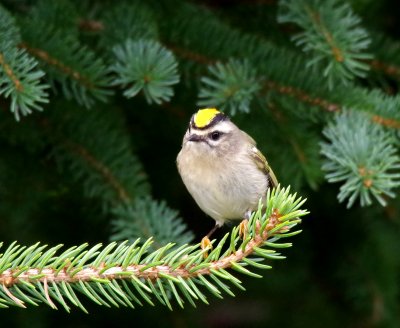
224 127
200 132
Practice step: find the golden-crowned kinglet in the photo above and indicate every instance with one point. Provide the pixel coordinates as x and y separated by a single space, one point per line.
222 168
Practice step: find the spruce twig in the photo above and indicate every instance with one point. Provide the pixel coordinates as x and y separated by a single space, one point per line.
115 271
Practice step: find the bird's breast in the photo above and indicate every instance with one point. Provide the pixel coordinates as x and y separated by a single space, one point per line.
224 189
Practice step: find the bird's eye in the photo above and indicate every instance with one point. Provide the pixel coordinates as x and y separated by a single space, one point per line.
215 135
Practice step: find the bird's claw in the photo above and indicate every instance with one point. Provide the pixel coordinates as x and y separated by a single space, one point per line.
205 245
243 229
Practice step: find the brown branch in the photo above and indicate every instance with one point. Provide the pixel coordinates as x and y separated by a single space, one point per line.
303 96
101 168
49 275
9 72
299 94
191 55
204 60
269 84
388 69
388 122
293 92
337 53
107 175
44 56
324 104
91 25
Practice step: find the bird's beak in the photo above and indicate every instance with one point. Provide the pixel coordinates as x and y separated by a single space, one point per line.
195 138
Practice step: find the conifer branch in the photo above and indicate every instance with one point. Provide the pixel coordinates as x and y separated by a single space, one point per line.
91 25
20 80
109 171
332 33
268 84
127 273
142 271
67 70
9 72
105 163
102 169
191 55
387 68
284 71
386 53
366 161
327 106
139 23
230 86
145 218
82 74
145 66
387 122
302 96
291 91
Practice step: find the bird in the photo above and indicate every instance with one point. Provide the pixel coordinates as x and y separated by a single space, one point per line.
222 168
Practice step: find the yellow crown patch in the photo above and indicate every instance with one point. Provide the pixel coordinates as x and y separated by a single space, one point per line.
204 116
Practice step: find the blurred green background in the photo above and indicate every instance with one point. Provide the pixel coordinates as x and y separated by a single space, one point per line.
343 269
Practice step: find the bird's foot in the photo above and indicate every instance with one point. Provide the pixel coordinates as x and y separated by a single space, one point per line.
243 229
205 245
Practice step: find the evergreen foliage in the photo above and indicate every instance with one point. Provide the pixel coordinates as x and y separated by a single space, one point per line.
75 67
333 34
230 87
363 155
127 274
19 76
95 97
144 219
145 66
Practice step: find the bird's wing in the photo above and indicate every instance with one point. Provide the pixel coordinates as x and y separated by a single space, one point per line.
263 165
261 162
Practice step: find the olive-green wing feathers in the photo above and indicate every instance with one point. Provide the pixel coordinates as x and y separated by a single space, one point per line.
261 161
263 165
